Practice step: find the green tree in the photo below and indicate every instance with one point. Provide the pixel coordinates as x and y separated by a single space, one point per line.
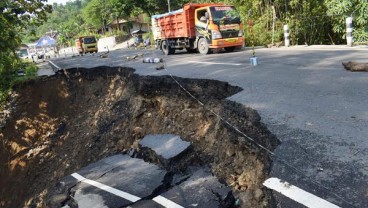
339 10
14 18
97 13
309 20
67 20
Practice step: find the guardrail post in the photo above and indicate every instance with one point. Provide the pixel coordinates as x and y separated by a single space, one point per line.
286 36
349 31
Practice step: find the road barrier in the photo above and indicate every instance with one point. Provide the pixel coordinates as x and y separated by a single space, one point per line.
349 31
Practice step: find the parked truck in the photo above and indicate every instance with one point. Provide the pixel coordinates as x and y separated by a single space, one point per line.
201 27
86 44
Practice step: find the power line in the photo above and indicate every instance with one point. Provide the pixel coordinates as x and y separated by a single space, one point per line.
286 163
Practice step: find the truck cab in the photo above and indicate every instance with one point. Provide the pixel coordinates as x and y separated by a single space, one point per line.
218 27
86 44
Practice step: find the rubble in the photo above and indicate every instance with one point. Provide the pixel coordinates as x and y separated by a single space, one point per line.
355 66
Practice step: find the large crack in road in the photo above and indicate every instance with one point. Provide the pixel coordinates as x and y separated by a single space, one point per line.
60 124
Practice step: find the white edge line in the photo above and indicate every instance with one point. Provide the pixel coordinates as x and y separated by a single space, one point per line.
299 195
53 64
109 189
158 199
78 177
204 62
166 202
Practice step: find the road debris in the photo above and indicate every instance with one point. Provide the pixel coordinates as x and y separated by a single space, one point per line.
105 55
355 66
162 66
152 60
129 58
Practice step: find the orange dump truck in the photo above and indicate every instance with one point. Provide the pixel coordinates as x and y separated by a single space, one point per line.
201 27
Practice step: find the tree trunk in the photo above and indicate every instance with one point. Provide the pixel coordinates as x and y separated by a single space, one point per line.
117 23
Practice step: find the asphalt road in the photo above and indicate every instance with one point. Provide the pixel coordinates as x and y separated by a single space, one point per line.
316 108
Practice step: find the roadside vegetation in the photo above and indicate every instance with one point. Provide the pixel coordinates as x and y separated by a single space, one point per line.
15 17
310 22
23 71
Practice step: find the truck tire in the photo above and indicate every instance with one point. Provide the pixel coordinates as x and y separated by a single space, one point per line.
230 49
166 49
203 47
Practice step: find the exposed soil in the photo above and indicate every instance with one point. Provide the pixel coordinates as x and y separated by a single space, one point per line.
59 124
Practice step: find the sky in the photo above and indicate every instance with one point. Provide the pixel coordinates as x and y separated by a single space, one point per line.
57 1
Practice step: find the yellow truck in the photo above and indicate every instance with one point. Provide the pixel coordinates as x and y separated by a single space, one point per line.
86 44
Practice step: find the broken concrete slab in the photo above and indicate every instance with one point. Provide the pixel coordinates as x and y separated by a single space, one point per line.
202 189
166 150
145 204
97 169
100 182
83 194
165 145
90 200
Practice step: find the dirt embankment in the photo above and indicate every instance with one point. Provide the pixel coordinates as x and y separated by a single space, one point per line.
62 123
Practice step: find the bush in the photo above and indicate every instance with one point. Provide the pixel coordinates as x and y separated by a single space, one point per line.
9 76
31 69
262 33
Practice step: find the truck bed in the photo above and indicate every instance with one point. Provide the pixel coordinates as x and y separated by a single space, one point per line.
177 24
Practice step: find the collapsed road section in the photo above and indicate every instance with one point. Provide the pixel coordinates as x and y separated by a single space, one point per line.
57 125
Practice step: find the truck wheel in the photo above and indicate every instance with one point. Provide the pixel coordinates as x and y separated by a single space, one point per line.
230 49
203 47
165 48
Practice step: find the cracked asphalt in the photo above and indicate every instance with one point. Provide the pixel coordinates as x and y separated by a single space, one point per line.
316 109
122 181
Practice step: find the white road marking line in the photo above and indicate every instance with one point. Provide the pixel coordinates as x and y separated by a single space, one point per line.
53 64
109 189
297 194
158 199
166 202
205 62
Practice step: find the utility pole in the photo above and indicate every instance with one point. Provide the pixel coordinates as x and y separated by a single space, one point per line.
168 4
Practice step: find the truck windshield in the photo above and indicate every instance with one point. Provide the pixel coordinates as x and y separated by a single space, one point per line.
89 40
224 15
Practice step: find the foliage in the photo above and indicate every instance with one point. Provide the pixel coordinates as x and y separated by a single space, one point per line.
310 21
358 9
11 78
97 13
14 18
65 19
118 33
